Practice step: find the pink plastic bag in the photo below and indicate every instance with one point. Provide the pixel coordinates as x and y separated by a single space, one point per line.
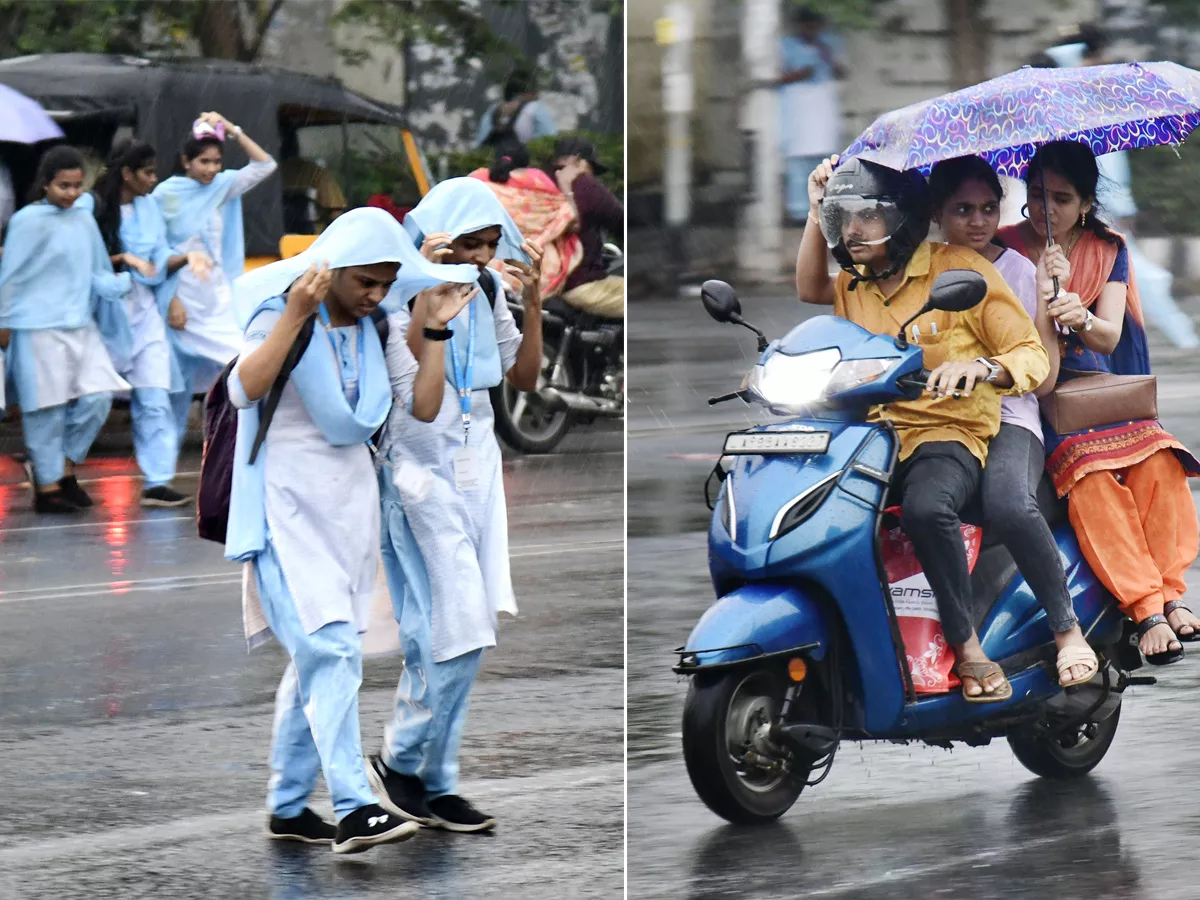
930 658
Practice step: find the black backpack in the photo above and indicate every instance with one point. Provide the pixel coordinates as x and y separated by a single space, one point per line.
220 432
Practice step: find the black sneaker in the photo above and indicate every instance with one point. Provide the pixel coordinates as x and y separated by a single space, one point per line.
370 825
53 502
403 795
454 813
73 492
164 496
308 828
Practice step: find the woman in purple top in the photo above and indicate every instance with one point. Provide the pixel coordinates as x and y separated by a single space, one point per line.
966 196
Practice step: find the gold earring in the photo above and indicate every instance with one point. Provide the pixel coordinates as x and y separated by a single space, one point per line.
1083 221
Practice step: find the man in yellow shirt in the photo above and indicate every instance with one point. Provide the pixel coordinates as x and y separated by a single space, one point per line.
876 220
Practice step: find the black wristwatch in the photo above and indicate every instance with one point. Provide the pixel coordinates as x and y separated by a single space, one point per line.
437 334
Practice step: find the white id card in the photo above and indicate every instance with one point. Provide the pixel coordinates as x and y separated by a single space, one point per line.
466 469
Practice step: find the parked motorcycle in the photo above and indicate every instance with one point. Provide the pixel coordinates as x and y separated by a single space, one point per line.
803 650
582 377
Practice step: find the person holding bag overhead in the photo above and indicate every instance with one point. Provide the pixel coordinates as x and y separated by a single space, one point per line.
304 516
445 529
64 307
202 206
1125 480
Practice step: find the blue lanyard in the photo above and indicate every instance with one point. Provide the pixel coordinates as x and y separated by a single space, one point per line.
337 355
463 374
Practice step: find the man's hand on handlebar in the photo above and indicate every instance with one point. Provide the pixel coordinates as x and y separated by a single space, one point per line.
956 379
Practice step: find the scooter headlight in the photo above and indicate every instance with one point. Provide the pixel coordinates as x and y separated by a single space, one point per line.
854 373
791 384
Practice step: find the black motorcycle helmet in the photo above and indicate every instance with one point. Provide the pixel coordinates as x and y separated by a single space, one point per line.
859 188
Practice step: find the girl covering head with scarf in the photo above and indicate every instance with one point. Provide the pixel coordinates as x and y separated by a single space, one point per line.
1126 483
445 527
304 517
136 237
63 305
202 207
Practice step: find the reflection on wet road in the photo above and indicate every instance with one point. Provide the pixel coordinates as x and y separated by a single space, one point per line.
891 822
134 726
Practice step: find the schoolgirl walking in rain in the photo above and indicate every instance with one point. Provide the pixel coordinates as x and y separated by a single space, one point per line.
445 524
201 204
60 305
136 237
304 517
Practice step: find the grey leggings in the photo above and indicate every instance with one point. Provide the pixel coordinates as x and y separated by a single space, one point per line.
1015 464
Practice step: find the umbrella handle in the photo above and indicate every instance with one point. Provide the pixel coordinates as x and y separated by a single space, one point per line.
1049 233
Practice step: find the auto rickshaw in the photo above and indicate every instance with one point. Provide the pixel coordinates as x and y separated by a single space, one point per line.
99 99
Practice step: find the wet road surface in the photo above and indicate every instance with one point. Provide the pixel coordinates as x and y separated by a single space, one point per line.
134 726
890 822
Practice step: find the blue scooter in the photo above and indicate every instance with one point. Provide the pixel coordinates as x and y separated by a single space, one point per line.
803 649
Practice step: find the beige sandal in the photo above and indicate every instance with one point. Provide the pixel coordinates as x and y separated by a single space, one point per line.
1075 655
980 672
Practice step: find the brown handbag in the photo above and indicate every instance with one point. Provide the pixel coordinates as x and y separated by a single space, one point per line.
1093 401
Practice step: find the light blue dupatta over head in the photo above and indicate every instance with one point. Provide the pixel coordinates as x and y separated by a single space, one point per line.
361 237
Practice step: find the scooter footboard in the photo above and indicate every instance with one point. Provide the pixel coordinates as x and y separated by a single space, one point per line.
753 623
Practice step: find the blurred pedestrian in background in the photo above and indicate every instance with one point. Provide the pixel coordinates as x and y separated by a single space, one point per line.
518 118
809 108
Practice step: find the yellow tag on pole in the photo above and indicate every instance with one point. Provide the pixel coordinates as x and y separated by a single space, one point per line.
664 32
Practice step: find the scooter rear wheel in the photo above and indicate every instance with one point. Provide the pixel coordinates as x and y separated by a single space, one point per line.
720 717
1065 757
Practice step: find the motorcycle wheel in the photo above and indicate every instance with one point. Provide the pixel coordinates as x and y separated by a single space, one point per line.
1064 757
523 420
720 716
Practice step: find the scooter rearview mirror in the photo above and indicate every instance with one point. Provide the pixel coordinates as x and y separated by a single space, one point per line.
720 300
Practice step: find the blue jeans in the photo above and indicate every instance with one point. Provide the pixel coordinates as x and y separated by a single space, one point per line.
58 433
316 705
425 733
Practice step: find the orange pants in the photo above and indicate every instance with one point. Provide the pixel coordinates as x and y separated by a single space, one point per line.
1139 537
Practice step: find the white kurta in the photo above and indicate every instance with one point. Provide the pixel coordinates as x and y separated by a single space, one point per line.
211 330
67 363
463 536
151 354
322 502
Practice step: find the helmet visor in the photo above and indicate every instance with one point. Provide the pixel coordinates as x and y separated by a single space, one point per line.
863 220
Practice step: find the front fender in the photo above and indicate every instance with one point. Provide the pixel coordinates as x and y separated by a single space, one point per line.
754 622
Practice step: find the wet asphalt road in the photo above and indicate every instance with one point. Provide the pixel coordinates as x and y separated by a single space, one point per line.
891 822
134 726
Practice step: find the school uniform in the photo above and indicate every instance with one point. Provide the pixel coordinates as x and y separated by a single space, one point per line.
445 526
64 306
207 218
305 518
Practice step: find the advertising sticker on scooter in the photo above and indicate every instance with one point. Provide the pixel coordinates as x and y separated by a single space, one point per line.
930 658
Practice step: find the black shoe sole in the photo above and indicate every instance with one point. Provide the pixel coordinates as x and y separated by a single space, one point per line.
385 800
402 832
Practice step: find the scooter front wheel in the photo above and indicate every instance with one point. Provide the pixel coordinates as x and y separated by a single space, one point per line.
724 721
1065 756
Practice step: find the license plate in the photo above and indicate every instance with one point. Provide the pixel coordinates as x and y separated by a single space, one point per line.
777 442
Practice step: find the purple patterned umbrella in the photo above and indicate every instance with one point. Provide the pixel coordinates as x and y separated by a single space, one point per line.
1005 120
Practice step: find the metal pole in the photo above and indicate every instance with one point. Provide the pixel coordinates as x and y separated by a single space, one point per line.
674 32
760 235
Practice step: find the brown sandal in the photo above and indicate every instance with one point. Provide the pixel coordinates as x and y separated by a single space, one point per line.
979 672
1171 606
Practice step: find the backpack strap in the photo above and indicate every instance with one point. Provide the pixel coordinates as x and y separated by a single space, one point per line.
272 401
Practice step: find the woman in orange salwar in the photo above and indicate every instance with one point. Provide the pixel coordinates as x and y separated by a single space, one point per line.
1127 485
541 211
